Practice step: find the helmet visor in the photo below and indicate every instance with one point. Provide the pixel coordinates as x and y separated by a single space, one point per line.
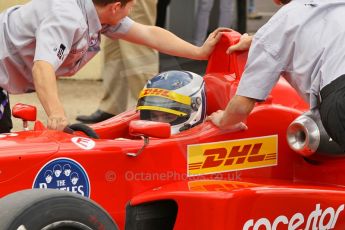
157 103
164 101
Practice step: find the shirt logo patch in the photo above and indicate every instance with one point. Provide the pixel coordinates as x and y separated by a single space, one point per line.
61 51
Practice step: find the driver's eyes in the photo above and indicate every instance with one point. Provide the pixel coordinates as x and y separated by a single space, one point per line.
153 117
170 117
162 118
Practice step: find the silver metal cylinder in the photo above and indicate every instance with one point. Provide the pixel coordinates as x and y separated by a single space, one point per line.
306 135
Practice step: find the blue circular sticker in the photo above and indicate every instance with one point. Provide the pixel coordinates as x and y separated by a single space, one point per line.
63 174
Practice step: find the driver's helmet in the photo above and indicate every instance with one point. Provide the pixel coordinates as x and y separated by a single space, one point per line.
175 97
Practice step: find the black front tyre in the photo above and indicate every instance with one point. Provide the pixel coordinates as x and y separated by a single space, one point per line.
38 209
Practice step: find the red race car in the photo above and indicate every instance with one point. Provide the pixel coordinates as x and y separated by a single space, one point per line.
284 172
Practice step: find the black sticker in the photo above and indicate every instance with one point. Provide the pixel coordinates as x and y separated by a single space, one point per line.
61 51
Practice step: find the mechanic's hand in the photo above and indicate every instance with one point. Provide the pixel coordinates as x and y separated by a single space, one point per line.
242 45
211 42
57 122
216 118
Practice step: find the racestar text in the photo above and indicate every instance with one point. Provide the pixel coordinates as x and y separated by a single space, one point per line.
317 219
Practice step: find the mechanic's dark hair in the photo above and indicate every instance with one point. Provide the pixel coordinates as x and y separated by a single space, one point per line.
106 2
285 1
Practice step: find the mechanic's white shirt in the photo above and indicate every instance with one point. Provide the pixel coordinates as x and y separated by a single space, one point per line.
305 41
65 33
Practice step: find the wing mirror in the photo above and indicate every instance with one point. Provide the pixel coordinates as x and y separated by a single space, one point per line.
24 112
147 129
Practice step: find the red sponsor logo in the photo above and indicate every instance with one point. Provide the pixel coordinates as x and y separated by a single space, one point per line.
239 154
156 92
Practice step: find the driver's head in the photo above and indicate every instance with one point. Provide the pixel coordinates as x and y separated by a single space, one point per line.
175 97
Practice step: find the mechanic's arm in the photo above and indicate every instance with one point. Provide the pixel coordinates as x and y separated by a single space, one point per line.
46 89
242 45
235 113
166 42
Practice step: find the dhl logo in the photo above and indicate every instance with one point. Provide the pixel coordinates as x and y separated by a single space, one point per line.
155 92
217 186
166 94
232 155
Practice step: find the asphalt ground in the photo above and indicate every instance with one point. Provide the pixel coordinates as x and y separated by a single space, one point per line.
83 96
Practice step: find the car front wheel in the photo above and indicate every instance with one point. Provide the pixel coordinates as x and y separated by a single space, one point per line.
39 209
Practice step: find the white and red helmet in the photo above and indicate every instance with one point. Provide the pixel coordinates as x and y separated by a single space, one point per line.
177 93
